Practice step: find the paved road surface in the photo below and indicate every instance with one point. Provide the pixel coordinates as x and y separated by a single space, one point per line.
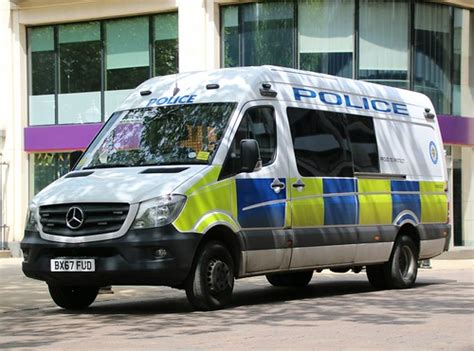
336 312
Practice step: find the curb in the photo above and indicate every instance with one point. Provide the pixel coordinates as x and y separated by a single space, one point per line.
457 254
5 254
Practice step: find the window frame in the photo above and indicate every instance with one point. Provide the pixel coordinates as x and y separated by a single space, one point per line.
55 26
347 116
344 127
411 64
243 115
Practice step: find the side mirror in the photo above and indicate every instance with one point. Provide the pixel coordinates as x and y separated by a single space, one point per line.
73 158
250 159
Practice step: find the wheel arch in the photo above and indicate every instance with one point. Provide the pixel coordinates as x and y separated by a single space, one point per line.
228 238
411 231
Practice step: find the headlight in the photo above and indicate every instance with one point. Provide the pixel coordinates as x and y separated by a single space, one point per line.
159 211
31 223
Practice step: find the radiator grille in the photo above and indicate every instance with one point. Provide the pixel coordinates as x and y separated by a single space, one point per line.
98 218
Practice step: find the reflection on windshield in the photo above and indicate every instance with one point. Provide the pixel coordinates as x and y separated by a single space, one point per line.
178 134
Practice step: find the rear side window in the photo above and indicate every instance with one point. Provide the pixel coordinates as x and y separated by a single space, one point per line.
320 143
258 123
363 142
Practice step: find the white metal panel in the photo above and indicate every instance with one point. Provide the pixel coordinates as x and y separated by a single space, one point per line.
126 185
322 255
431 248
410 149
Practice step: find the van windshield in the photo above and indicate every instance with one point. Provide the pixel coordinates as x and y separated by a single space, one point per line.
163 135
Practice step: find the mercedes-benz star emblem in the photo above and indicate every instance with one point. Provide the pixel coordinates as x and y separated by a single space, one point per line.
74 218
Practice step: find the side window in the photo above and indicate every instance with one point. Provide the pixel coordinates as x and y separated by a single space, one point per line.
258 123
364 145
320 143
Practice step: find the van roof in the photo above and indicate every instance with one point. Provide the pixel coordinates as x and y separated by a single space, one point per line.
244 83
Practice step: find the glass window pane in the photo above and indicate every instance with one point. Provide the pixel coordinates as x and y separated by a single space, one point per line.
457 31
267 30
42 75
47 168
166 44
127 58
230 36
433 54
258 123
384 53
363 143
79 73
326 35
320 143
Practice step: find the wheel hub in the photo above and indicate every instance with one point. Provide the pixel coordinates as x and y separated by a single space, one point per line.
406 262
218 276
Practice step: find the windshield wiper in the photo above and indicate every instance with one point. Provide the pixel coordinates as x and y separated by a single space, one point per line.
108 165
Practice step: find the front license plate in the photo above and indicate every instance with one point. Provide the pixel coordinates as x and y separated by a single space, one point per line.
72 265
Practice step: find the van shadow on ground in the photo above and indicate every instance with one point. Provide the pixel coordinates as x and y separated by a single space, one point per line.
256 303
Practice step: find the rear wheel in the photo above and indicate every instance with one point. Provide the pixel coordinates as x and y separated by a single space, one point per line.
402 268
400 271
73 298
295 279
376 276
211 281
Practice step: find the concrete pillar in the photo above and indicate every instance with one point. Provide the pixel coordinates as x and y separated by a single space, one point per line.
468 195
198 35
467 109
13 95
467 64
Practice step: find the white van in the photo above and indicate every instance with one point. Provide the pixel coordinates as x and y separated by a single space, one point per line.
202 178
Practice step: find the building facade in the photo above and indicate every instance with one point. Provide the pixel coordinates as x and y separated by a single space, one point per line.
66 65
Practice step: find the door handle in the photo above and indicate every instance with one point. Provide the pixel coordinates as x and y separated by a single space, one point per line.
299 185
277 186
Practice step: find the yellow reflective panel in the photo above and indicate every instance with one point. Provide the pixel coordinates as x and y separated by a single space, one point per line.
432 187
307 204
207 178
206 202
434 208
375 201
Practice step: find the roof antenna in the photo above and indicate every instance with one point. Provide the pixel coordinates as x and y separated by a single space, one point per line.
176 89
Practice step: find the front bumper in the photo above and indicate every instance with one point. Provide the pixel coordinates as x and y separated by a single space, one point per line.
128 260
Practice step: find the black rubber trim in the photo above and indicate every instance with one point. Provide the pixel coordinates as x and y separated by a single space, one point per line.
265 239
309 237
164 170
126 260
79 174
434 231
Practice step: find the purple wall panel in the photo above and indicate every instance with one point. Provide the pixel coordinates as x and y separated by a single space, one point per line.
454 129
60 138
457 130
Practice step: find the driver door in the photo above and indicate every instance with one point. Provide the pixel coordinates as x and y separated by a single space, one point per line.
261 195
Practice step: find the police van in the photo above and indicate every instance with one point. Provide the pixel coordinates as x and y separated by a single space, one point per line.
202 178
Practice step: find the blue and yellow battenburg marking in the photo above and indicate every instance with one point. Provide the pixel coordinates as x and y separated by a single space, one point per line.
341 201
252 203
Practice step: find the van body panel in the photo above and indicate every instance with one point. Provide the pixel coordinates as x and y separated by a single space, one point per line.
129 185
288 214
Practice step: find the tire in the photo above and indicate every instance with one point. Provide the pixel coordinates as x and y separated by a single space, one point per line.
376 276
73 298
211 281
402 268
293 279
400 271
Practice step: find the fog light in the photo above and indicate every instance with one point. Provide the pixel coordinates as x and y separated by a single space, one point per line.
161 253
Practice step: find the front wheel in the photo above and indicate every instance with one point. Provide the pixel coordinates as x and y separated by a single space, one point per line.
73 298
211 281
